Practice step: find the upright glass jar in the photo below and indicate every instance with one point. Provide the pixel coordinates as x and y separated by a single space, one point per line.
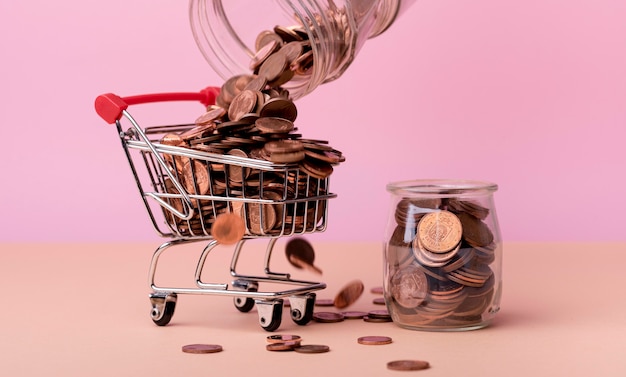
227 31
442 255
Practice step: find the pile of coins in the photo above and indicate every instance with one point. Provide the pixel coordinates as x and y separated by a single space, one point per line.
254 158
439 258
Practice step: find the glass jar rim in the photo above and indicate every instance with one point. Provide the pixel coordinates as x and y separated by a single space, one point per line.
441 187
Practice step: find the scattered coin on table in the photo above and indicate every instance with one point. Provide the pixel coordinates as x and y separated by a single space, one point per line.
202 348
280 338
408 365
312 348
374 340
328 317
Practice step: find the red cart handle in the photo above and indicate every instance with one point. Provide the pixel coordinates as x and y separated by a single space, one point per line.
110 106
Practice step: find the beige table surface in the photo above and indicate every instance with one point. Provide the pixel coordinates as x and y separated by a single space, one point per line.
83 310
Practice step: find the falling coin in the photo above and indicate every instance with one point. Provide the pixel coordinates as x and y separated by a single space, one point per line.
301 255
228 228
374 340
408 365
312 348
349 294
202 348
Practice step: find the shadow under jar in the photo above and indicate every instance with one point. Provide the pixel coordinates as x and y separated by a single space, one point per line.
442 255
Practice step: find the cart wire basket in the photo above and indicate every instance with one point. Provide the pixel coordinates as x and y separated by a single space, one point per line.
185 189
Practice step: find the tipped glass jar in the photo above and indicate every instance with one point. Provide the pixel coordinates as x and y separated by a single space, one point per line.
227 33
442 255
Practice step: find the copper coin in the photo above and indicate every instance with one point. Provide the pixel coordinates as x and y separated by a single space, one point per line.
312 348
377 290
265 37
475 232
316 169
286 158
283 146
283 78
384 313
281 338
349 294
197 176
292 51
327 317
283 346
257 84
263 53
354 314
374 340
256 213
274 125
408 365
409 287
228 228
202 348
440 231
211 115
243 103
300 254
172 139
379 301
367 318
279 107
273 67
324 302
237 173
287 34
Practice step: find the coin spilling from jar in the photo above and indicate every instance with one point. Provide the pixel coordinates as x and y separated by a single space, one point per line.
242 139
440 256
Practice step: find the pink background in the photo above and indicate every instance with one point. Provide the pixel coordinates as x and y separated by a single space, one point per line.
530 95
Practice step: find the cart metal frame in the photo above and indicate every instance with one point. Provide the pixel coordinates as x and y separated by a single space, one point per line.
180 215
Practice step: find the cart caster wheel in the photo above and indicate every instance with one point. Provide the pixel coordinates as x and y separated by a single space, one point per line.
302 308
244 304
270 314
163 305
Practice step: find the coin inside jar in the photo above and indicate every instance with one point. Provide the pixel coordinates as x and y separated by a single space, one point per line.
439 231
409 287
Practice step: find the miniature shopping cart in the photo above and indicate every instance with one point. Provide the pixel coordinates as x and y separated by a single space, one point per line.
183 213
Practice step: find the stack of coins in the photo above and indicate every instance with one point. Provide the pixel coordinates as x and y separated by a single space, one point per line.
252 121
439 259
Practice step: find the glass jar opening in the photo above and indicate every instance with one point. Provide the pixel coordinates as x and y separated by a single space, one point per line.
441 187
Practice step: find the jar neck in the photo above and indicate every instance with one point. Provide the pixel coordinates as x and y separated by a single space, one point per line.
336 29
441 188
